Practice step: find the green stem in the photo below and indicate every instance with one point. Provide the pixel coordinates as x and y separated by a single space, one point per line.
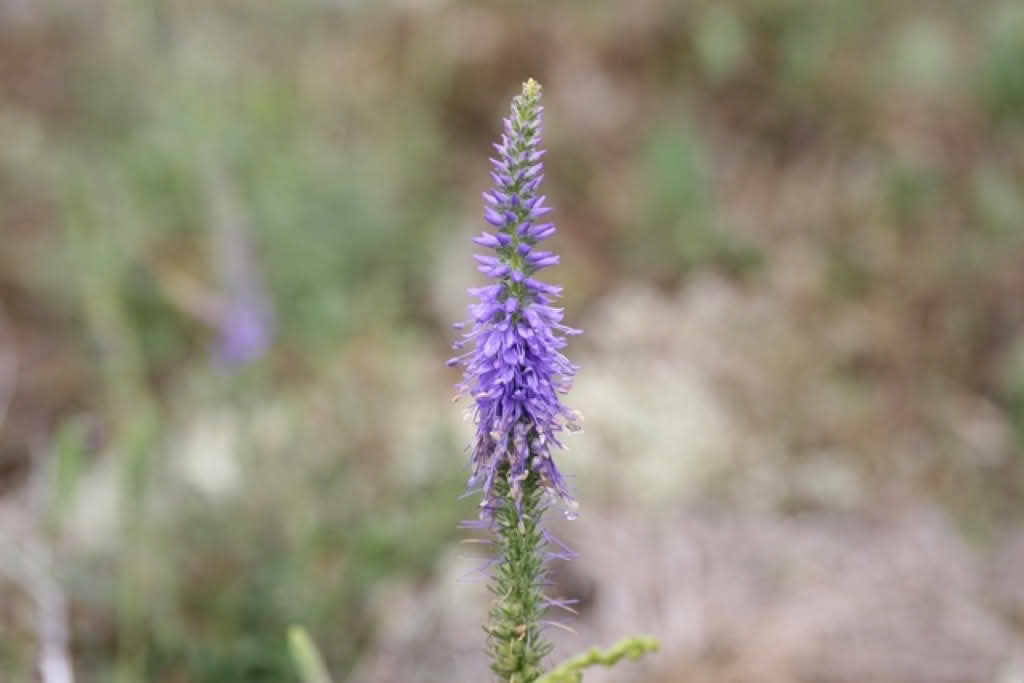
571 671
515 643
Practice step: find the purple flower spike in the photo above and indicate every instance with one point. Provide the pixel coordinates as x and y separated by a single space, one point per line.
515 370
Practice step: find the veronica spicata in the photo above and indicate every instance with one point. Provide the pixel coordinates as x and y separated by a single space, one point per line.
515 369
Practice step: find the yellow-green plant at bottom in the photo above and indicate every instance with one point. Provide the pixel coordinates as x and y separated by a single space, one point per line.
306 656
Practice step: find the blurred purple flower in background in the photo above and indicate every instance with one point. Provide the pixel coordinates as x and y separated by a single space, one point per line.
244 317
245 330
515 369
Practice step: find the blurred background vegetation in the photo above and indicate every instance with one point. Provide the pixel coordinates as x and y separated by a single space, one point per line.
233 236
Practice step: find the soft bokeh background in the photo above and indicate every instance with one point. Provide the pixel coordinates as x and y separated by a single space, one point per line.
233 236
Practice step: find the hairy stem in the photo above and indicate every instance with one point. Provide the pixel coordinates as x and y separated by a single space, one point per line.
515 643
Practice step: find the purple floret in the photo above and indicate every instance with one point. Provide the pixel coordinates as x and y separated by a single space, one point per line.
514 369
